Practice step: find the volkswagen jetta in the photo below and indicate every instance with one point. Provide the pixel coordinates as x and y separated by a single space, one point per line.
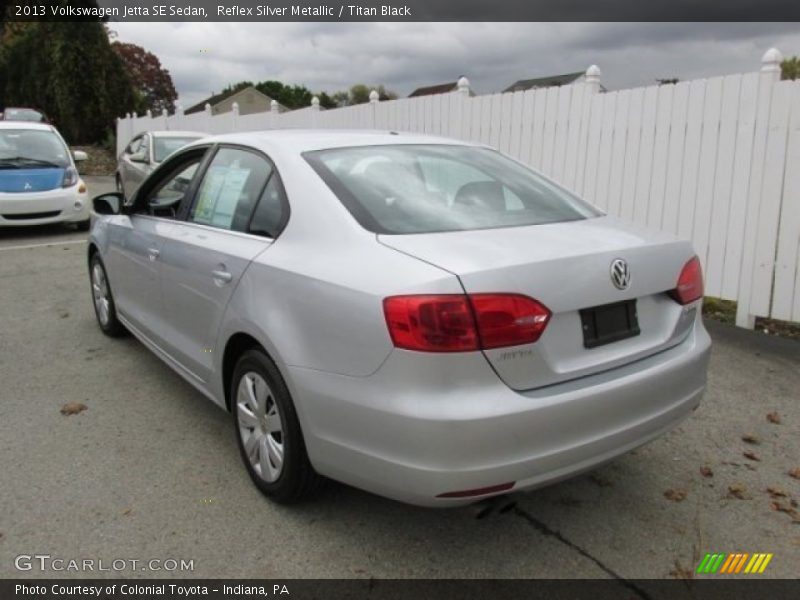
422 318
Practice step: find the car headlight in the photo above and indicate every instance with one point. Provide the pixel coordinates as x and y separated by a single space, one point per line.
70 177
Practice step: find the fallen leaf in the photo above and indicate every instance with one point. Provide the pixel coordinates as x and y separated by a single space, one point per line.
776 492
786 509
737 490
127 512
750 438
795 473
774 417
64 314
73 408
751 455
706 472
675 495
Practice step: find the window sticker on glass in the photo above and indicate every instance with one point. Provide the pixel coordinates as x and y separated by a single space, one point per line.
221 190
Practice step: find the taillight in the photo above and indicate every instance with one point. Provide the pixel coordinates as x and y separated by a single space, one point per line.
690 283
461 323
431 323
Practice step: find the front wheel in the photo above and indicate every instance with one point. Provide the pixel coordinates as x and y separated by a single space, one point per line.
268 431
103 300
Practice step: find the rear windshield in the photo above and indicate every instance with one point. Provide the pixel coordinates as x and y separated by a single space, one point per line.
164 146
429 188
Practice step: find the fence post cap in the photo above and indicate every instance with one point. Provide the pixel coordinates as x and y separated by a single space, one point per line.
593 72
178 109
149 114
771 61
463 85
374 96
235 108
273 105
207 108
315 101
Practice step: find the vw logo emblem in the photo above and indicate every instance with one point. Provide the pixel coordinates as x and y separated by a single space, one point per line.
28 186
620 274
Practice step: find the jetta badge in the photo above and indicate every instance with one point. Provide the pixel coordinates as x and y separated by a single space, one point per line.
28 186
620 274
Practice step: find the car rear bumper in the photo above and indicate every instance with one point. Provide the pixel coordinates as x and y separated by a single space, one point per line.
423 425
41 208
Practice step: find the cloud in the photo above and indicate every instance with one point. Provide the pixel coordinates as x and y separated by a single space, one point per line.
205 57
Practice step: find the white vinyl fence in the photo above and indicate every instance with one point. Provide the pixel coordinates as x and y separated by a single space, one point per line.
716 161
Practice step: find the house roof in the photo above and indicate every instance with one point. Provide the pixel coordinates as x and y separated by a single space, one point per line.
540 82
217 98
441 88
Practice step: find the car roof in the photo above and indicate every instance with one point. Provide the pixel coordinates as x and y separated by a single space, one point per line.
305 140
26 125
175 133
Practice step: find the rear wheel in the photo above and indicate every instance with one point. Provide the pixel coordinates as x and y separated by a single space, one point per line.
268 431
103 301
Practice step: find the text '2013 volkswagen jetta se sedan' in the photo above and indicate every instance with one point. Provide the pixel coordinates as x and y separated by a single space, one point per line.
421 318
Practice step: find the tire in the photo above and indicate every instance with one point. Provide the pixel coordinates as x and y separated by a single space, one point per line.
102 299
263 438
83 225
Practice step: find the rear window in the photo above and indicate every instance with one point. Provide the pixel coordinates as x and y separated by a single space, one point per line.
429 188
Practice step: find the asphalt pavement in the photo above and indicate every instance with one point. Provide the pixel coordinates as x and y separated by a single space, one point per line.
150 469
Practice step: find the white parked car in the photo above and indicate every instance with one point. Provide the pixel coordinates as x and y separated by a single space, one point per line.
145 152
39 183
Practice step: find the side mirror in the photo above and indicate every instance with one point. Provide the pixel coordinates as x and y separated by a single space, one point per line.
108 204
80 155
139 157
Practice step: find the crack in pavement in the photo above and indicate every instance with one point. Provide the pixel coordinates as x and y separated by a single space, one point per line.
545 530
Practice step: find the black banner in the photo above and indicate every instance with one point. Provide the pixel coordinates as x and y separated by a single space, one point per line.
405 10
744 588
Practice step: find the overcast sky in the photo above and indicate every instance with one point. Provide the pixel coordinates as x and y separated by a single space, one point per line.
205 57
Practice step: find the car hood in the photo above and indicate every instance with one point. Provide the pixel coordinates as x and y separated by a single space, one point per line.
30 180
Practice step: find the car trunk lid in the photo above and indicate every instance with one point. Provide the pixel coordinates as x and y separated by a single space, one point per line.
567 267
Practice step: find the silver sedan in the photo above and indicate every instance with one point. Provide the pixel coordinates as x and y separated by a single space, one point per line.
145 152
418 317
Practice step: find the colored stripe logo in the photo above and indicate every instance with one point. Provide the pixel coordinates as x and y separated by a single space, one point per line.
731 564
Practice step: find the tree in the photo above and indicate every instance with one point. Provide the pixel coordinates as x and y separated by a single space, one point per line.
790 68
68 70
152 83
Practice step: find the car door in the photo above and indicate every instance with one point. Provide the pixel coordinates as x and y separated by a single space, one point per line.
205 255
136 240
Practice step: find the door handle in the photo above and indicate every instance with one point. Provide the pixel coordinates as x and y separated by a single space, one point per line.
153 254
222 277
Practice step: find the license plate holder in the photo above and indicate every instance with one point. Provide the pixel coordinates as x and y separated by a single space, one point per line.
609 323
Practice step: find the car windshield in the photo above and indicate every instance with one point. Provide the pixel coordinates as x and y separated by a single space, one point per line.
22 114
164 146
26 148
430 188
